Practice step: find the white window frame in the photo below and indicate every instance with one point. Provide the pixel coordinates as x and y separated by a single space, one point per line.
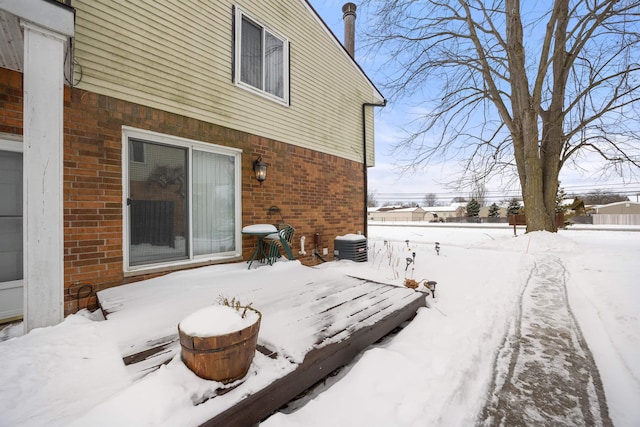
11 144
190 145
239 14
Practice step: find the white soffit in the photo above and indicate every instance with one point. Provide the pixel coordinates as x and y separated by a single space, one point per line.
11 42
51 15
47 14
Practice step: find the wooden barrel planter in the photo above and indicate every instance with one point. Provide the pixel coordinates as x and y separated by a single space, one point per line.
223 357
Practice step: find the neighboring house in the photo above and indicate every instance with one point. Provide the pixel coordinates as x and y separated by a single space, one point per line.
618 213
138 125
484 212
429 213
454 210
617 208
398 214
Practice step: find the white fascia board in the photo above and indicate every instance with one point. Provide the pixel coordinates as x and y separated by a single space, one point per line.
57 18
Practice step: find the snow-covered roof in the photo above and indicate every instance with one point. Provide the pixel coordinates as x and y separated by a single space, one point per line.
396 209
414 209
627 203
451 208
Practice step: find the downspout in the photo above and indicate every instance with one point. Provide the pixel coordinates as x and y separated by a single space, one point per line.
364 162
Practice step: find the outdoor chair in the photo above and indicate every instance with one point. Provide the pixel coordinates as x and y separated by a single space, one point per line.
280 222
280 241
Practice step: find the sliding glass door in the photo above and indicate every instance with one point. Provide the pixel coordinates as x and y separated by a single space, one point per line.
182 201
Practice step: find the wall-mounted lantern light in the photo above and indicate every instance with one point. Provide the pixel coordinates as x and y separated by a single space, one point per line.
260 169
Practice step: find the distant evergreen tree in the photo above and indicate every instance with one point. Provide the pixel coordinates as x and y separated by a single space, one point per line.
560 207
494 211
514 207
473 208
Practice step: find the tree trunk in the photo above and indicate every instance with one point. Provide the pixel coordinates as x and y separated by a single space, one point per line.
537 159
534 189
524 127
552 120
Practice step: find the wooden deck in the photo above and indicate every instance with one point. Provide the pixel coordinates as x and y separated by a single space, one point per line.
316 327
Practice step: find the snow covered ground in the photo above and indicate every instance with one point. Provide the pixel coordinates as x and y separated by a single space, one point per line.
435 372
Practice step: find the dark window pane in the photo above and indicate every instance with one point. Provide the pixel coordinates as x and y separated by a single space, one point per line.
137 151
251 54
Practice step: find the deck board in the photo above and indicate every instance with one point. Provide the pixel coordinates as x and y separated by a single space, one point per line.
331 320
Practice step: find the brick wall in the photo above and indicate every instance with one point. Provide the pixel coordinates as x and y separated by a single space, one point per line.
317 193
10 102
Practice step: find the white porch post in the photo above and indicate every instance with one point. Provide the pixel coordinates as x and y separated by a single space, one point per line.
43 176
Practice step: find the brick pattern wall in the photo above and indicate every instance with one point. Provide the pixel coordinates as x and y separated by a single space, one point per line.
317 193
10 102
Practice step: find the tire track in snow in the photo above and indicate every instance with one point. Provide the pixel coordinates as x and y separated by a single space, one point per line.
544 373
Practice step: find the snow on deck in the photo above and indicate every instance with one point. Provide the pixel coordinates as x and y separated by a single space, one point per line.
303 310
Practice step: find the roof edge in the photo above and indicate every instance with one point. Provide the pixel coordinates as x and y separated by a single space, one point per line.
376 93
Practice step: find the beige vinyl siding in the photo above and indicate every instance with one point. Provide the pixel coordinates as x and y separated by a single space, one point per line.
178 56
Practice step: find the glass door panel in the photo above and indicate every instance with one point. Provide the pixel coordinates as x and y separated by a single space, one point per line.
158 220
213 203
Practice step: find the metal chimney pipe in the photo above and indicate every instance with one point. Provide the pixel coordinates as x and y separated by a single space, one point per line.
349 17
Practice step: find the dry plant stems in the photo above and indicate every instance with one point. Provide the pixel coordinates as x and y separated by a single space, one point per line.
414 284
410 283
395 270
235 304
376 257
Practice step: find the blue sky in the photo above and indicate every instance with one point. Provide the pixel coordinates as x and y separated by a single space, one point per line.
385 179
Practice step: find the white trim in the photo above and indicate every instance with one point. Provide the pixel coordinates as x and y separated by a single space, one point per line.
43 31
190 145
43 248
239 13
14 145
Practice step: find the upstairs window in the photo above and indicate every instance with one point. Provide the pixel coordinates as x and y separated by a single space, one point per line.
261 59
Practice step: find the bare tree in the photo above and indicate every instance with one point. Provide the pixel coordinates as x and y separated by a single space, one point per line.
522 87
372 200
430 199
600 197
479 192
